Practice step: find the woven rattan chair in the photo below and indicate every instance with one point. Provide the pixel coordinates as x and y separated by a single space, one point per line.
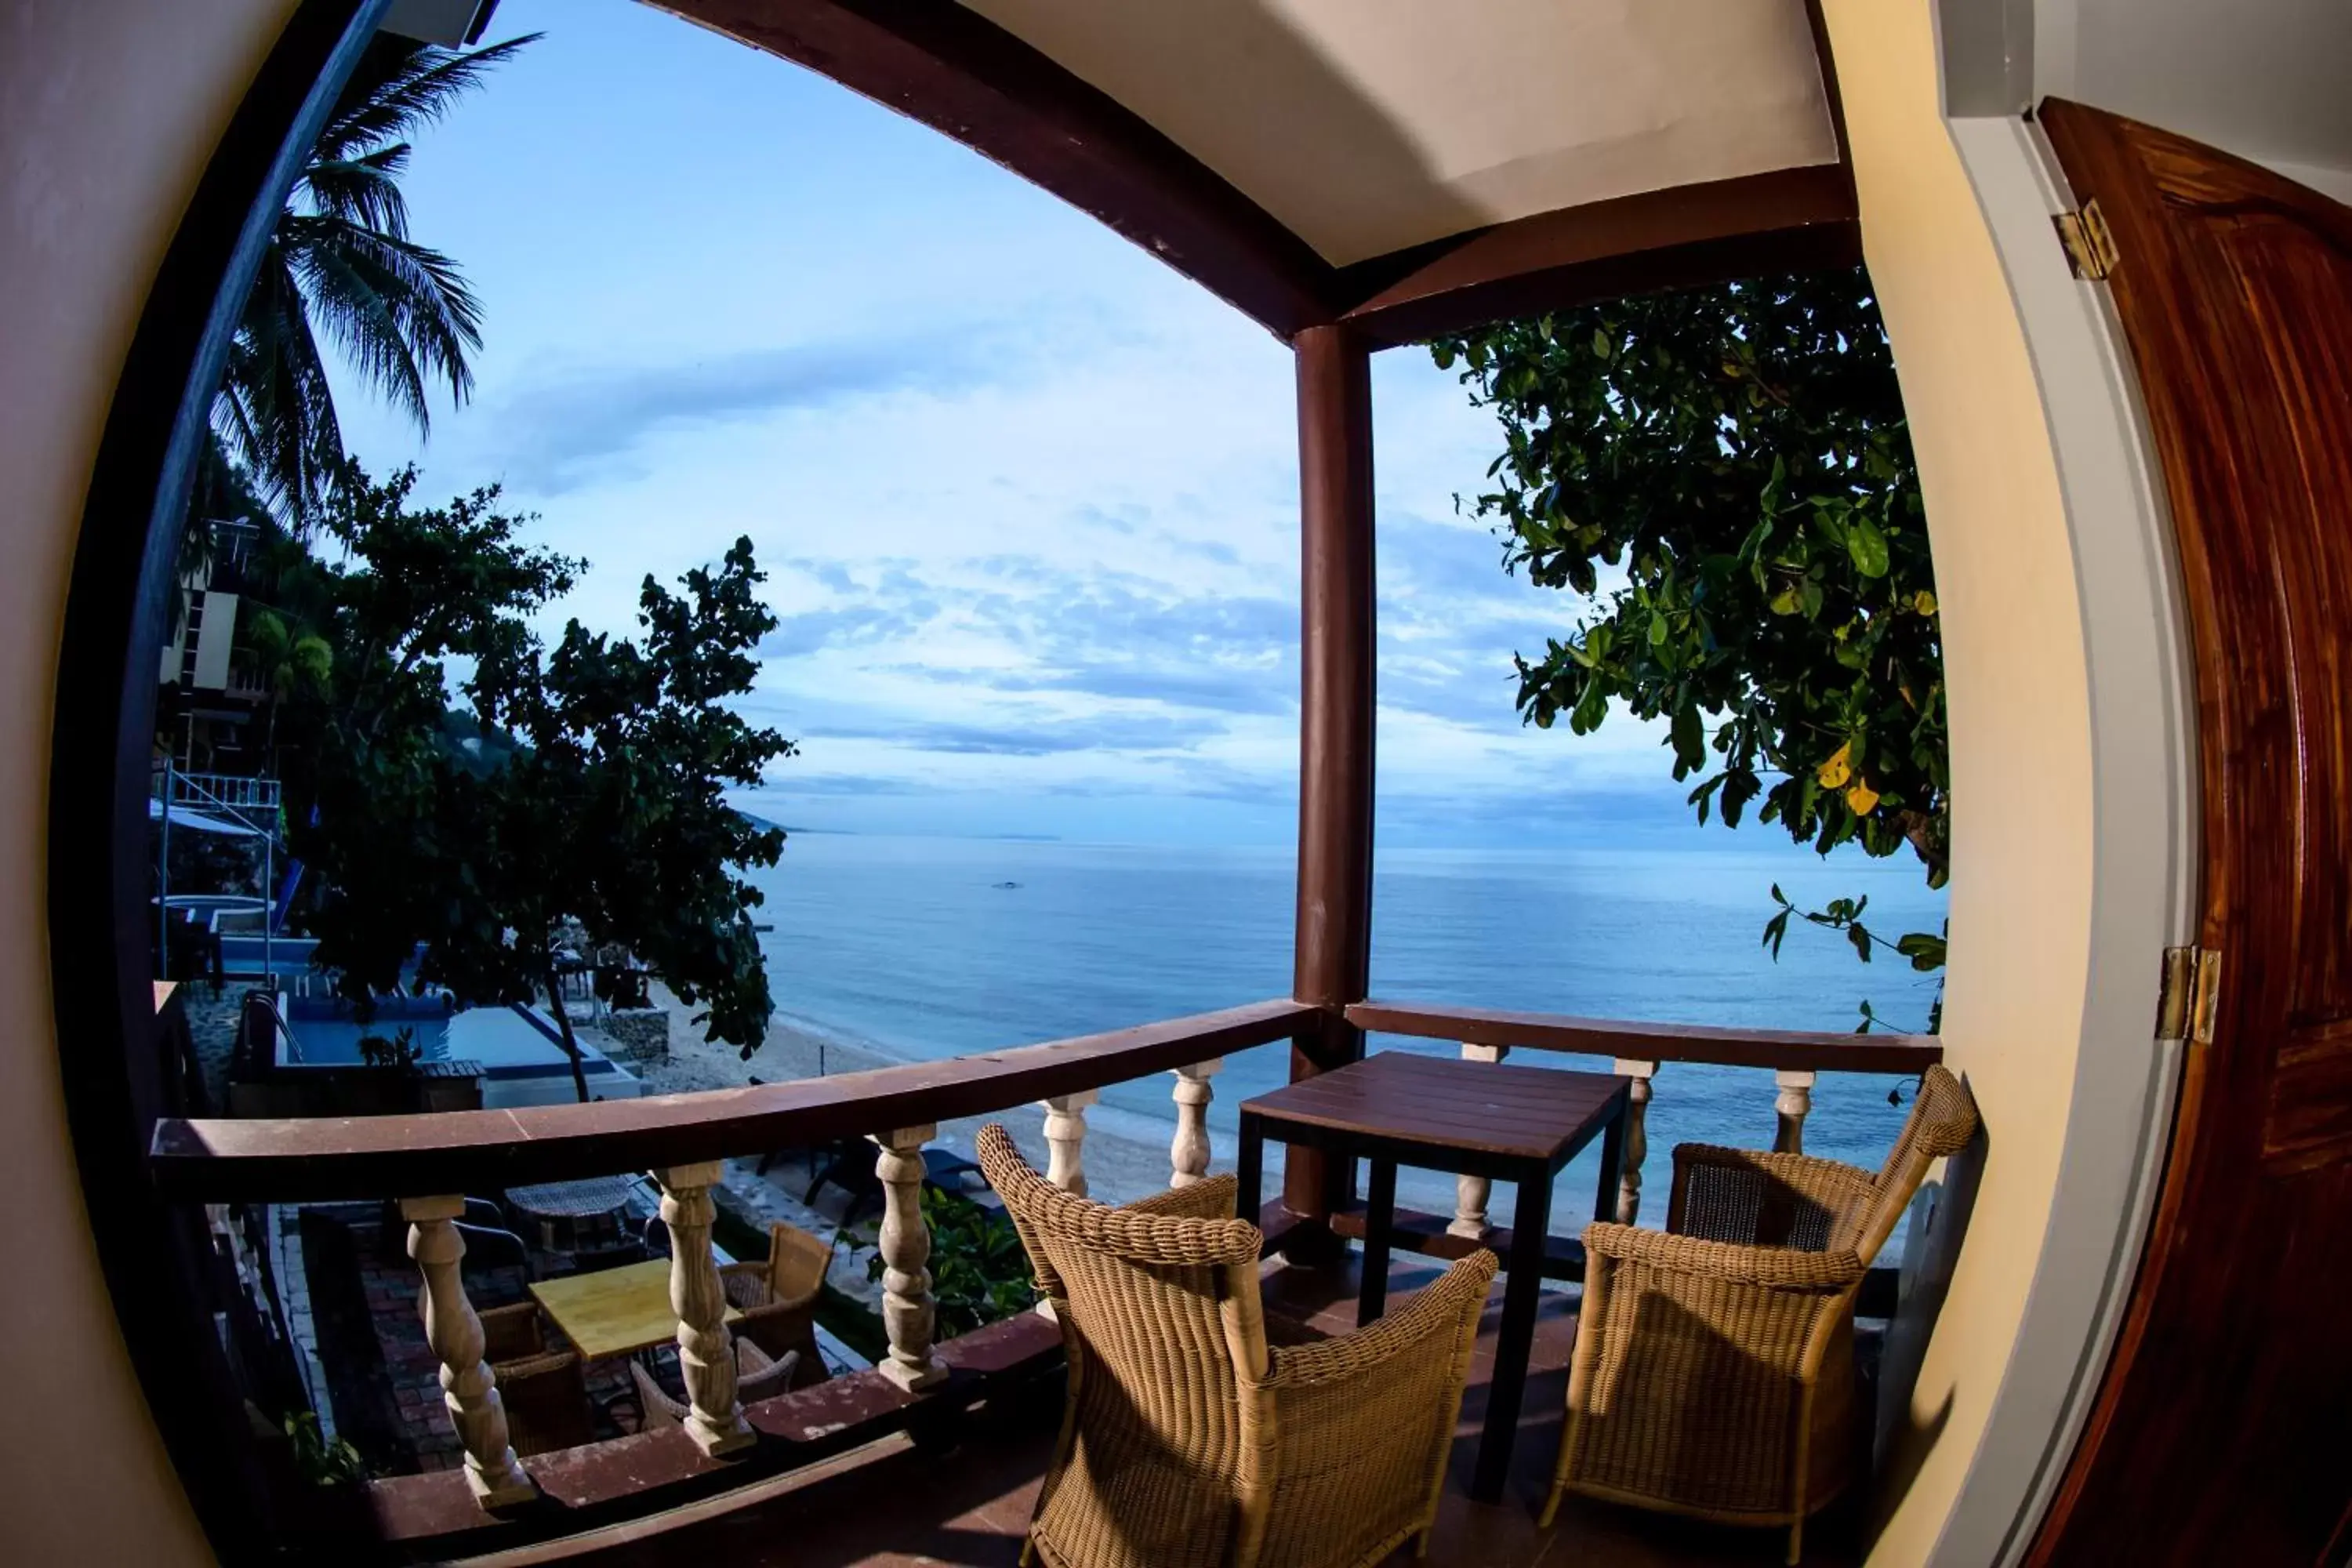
546 1400
778 1299
1714 1370
756 1378
1186 1440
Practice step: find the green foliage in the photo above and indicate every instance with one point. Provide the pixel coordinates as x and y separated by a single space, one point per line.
398 1052
600 806
1726 478
340 262
318 1460
980 1274
1738 457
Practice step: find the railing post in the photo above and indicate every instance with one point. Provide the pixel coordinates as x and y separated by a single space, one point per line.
1637 1135
906 1245
706 1351
455 1335
1471 1192
1066 1139
1332 951
1188 1156
1792 1105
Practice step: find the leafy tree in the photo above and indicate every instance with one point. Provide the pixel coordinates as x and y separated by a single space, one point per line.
582 790
1726 478
341 260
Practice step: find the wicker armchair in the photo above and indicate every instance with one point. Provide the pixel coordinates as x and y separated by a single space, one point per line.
1187 1439
778 1299
512 1333
1714 1370
756 1378
546 1400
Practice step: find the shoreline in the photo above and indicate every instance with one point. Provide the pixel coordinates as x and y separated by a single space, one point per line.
1121 1167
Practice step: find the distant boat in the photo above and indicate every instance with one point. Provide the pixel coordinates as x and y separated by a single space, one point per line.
1005 884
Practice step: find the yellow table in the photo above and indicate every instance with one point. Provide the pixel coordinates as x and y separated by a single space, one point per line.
613 1312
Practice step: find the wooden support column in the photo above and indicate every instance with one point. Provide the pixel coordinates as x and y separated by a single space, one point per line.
1333 947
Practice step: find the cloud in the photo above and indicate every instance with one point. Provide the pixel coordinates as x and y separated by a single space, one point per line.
843 626
1038 737
566 430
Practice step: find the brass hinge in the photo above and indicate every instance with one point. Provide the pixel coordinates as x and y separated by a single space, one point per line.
2186 997
2090 243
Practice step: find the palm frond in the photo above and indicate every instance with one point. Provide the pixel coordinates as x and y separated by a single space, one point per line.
364 190
399 310
280 420
401 87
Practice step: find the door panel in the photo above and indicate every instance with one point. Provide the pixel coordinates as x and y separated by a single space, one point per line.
2223 1430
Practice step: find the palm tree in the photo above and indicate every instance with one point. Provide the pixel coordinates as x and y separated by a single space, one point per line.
341 260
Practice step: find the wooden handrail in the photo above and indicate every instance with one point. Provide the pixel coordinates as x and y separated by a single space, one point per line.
327 1158
1809 1050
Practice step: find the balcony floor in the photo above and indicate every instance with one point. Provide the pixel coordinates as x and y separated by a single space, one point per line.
899 1503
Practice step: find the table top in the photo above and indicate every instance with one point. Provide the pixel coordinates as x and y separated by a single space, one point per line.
572 1200
1536 1114
613 1312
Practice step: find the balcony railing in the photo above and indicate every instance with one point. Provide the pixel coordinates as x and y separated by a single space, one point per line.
427 1163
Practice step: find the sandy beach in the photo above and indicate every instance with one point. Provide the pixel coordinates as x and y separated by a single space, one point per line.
1120 1166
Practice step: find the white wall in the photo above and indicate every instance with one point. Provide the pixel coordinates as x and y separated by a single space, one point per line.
107 111
2069 790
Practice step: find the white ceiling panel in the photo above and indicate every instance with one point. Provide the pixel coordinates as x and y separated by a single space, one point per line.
1368 125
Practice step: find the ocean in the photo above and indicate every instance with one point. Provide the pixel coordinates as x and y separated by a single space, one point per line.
930 947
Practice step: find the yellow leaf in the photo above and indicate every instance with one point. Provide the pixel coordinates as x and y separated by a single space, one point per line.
1924 602
1838 769
1861 799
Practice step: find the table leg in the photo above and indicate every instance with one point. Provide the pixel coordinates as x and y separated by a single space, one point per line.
1530 1222
1380 1217
1613 1162
1249 1163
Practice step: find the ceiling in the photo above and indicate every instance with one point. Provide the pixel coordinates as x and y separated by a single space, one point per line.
1365 126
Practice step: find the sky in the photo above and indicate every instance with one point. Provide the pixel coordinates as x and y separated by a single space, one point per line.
1026 498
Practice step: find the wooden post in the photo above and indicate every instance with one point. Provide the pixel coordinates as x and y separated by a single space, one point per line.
1066 1139
1471 1193
455 1333
1188 1156
706 1350
908 1309
1791 1106
1637 1136
1332 952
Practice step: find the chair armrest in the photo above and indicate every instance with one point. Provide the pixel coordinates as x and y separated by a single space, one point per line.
745 1284
1212 1197
1756 1197
1768 1268
1433 1313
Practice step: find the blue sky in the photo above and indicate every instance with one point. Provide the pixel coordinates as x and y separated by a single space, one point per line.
1027 499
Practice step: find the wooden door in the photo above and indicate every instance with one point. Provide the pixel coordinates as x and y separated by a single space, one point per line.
2222 1433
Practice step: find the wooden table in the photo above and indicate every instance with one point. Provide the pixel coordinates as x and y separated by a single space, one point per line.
1474 1119
613 1312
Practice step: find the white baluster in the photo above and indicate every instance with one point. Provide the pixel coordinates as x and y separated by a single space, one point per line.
1792 1105
455 1335
1471 1192
906 1245
1637 1135
706 1351
1188 1156
1066 1139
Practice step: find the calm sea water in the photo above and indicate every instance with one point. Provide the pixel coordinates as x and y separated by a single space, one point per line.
932 947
